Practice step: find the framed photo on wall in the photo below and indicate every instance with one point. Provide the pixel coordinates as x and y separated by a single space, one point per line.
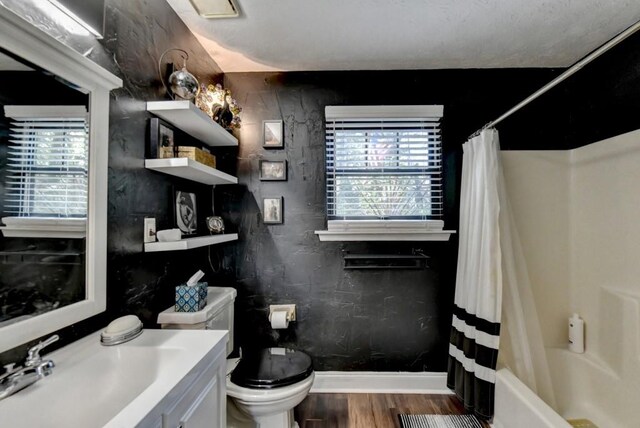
273 210
161 139
273 170
186 213
272 135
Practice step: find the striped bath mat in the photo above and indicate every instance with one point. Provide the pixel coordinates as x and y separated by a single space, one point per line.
439 421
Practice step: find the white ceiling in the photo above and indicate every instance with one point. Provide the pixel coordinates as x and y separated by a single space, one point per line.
294 35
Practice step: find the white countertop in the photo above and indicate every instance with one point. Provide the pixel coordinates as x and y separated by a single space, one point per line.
111 386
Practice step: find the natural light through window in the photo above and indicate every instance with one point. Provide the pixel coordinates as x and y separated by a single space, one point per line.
48 162
384 174
384 163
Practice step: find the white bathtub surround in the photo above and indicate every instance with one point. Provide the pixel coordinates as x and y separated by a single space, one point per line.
522 346
478 295
581 236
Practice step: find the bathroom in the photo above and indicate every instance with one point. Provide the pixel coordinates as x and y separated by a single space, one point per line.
375 321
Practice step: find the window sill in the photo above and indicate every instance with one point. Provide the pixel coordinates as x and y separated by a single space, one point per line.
390 230
405 235
42 227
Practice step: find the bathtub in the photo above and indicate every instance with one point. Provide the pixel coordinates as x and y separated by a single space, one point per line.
517 406
585 387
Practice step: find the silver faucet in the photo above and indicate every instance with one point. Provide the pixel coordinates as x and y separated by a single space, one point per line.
34 369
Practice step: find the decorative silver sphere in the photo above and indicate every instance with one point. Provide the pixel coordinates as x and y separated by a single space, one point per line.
184 84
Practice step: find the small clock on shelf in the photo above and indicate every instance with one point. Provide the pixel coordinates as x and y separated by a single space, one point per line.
215 225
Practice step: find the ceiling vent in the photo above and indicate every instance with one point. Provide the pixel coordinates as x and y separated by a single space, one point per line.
216 8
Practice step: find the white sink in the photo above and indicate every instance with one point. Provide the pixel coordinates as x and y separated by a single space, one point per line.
113 386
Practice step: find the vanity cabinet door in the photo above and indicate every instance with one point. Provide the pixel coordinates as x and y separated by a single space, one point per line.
203 411
203 404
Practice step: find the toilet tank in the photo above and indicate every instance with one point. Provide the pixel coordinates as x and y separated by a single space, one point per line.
216 315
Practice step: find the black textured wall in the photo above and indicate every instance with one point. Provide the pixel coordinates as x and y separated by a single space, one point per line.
382 320
600 101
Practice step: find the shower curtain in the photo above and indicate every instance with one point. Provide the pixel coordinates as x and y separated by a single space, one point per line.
522 349
475 332
490 263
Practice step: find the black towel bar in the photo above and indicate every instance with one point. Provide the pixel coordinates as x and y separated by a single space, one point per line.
385 261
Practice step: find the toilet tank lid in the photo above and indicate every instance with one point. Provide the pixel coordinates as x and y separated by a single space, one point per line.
217 299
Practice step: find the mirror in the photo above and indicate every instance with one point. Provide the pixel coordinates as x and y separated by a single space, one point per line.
54 106
44 163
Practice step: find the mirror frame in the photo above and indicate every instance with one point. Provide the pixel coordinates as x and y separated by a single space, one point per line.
29 42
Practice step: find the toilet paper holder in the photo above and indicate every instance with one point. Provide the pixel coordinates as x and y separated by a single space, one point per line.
290 308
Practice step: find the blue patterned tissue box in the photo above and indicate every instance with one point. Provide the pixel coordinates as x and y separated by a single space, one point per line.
191 299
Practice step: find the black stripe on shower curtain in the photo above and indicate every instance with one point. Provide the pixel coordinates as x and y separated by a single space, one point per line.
472 362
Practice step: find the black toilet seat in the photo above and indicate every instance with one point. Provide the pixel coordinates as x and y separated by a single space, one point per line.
272 368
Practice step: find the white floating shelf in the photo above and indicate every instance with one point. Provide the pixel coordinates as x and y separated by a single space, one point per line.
191 170
189 243
189 118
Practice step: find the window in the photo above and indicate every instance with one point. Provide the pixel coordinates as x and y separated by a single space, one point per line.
384 163
383 166
47 167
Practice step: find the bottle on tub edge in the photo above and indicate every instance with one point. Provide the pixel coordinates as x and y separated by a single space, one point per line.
576 334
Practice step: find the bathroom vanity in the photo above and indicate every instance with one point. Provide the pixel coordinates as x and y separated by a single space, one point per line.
163 378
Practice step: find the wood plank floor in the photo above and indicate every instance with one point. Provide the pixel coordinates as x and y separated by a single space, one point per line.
370 410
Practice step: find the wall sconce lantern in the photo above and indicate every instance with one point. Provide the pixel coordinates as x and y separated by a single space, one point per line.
217 102
182 84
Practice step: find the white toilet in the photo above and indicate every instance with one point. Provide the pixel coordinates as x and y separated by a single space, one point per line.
263 386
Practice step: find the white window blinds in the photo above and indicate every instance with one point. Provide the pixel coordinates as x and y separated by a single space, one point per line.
47 162
384 162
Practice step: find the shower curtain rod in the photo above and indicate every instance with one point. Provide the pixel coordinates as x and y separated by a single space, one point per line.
568 73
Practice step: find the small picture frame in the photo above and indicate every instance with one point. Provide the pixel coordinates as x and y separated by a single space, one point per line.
161 140
273 170
272 135
273 210
186 212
